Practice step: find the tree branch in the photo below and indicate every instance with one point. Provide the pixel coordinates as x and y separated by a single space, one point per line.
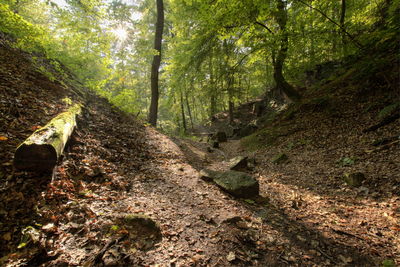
265 27
358 44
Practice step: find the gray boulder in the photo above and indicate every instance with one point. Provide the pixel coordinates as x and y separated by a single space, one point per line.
238 184
238 163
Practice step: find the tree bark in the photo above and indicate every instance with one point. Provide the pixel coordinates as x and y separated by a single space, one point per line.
41 150
231 105
189 109
212 88
341 22
156 64
183 114
281 83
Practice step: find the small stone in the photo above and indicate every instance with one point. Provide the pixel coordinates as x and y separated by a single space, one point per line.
233 219
280 158
354 179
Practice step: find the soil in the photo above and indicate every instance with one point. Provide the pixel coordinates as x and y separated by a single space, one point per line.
115 166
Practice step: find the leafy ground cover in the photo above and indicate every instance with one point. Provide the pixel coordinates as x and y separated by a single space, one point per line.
115 168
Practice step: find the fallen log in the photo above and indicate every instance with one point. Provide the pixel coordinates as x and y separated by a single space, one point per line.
41 150
382 123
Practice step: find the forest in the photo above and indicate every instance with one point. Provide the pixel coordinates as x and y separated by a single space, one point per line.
215 56
199 133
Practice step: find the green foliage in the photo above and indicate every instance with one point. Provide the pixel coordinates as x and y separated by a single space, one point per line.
29 36
346 161
114 228
388 263
214 53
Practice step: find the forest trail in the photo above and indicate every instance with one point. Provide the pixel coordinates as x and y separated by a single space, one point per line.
115 166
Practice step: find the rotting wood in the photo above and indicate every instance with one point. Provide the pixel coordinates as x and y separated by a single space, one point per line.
41 150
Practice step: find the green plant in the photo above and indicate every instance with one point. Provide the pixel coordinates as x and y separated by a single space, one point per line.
346 161
290 145
388 263
114 228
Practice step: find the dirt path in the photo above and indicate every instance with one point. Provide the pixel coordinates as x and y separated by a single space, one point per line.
320 222
275 237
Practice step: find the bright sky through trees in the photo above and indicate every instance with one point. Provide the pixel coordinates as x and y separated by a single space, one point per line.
121 33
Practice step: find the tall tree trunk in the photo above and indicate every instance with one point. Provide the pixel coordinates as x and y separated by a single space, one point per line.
231 105
183 114
312 41
189 109
281 83
213 101
156 64
341 23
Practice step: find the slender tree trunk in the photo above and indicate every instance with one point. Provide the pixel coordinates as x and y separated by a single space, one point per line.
312 42
183 114
231 105
156 64
189 109
341 23
213 101
335 32
281 83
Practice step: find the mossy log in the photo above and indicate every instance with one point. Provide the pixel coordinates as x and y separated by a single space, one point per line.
41 150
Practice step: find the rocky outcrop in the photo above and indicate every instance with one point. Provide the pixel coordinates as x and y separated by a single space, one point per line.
238 184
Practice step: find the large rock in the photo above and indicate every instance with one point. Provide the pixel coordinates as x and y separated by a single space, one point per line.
238 184
238 163
220 137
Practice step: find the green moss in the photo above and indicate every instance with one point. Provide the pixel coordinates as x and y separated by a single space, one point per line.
339 80
263 138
